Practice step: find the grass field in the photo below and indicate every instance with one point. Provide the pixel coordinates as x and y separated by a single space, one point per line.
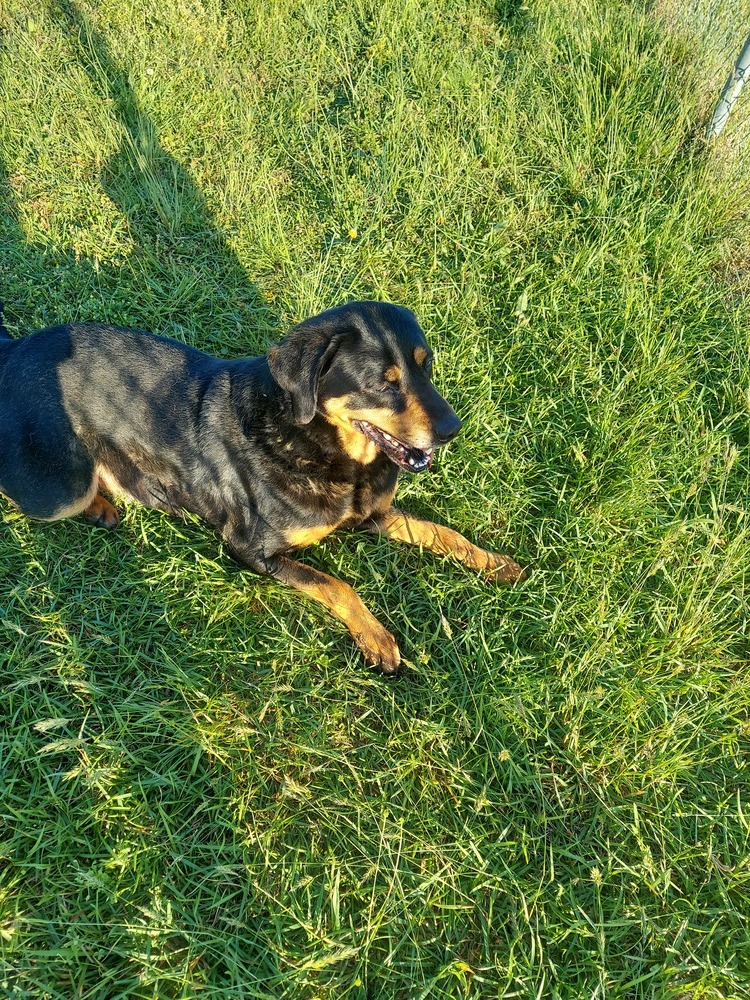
203 790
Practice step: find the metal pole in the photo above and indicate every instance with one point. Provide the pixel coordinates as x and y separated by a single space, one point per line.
731 91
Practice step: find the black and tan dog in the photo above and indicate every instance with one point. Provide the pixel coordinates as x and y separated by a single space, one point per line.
274 452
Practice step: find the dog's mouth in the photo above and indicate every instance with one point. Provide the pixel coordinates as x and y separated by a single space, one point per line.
410 459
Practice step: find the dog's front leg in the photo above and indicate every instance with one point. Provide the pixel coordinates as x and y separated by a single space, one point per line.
446 542
376 643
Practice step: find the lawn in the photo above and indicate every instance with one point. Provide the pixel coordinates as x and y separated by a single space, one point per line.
203 789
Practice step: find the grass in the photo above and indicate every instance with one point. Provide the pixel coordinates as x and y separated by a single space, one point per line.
204 791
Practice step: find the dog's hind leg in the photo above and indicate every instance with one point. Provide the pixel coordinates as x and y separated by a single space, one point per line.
100 511
94 507
54 480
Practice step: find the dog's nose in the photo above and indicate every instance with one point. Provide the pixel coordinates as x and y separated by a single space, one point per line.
447 428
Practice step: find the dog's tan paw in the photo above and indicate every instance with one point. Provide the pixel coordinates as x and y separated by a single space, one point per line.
503 570
379 649
102 512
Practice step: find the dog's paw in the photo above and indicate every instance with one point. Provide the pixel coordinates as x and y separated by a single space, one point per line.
102 512
503 570
379 649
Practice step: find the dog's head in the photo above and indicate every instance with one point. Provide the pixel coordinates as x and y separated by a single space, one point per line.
366 368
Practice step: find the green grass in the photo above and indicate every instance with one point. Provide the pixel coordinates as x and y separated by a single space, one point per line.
203 790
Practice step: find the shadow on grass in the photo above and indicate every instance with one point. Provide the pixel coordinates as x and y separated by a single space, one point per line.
515 15
179 253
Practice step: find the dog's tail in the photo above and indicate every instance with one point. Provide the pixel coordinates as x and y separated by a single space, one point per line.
4 335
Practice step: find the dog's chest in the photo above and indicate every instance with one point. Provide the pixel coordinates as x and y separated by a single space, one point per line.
327 501
346 500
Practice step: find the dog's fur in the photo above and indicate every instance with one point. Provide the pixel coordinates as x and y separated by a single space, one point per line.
274 452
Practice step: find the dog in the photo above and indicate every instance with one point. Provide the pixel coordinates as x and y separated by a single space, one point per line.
274 452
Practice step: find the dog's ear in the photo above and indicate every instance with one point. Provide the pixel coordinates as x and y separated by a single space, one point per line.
298 361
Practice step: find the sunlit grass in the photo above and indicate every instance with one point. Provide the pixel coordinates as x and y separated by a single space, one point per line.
204 790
